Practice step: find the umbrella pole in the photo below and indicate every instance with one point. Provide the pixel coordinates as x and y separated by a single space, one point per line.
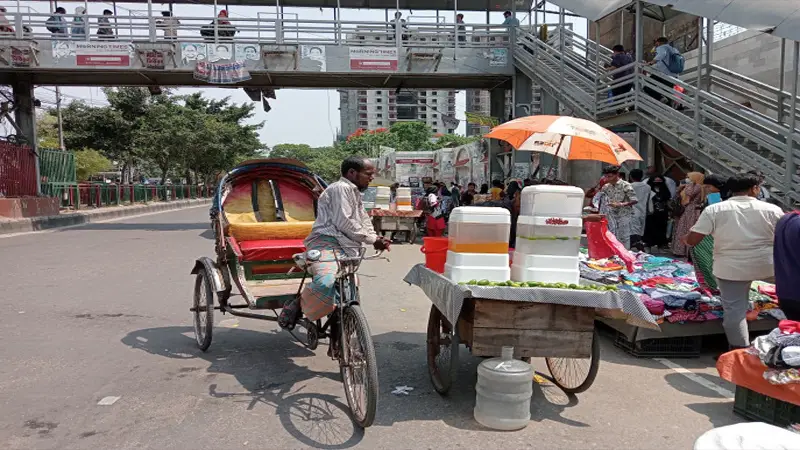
555 156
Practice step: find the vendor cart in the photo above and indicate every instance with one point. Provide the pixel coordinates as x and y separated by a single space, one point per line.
557 324
391 220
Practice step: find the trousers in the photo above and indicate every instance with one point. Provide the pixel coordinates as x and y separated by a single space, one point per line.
735 296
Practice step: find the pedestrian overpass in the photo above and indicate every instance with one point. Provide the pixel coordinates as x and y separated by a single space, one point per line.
711 126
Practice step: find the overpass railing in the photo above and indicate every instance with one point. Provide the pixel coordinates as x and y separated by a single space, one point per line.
269 29
722 120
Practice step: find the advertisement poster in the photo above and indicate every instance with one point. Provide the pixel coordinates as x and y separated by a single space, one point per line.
313 57
154 59
113 54
221 73
498 57
192 53
220 52
247 52
21 57
373 58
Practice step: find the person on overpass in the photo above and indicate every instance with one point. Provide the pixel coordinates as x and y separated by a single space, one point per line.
79 26
461 29
341 227
104 29
169 24
510 21
56 24
664 52
619 60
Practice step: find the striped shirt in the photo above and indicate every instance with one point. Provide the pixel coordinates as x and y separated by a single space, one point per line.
341 215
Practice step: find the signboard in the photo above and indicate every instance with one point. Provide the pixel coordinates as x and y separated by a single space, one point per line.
498 57
21 57
373 58
115 54
221 73
154 59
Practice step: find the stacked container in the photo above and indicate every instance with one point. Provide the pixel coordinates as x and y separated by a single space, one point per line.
548 235
382 197
478 244
404 199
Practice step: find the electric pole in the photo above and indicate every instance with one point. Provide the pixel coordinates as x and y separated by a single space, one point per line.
60 122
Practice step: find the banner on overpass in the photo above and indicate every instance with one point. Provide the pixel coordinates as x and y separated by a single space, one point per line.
482 120
373 58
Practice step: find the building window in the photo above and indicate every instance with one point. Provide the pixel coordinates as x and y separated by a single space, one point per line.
378 100
434 93
379 92
379 116
362 116
379 108
434 116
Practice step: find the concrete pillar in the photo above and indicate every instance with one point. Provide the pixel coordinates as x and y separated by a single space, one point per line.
523 95
497 109
647 149
550 107
25 117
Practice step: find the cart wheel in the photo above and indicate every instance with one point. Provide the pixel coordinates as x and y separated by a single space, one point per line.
576 375
203 310
442 351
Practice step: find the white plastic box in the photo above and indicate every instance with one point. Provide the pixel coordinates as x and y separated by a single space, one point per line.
403 200
382 197
475 229
548 200
477 266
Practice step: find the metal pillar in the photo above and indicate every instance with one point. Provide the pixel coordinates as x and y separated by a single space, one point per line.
596 67
497 106
782 81
151 22
698 87
639 50
561 37
621 26
337 13
709 52
25 117
790 165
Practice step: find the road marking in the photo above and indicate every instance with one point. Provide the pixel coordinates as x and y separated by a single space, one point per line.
115 219
108 401
695 377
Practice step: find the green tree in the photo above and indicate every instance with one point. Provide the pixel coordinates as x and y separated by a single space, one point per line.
453 140
412 136
89 162
47 131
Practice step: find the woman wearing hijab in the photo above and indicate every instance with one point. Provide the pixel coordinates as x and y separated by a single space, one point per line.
703 253
655 226
435 223
692 200
787 264
484 189
79 27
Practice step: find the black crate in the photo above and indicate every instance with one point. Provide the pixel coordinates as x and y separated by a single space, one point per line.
671 347
754 406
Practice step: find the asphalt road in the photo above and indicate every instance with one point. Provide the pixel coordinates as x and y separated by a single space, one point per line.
99 314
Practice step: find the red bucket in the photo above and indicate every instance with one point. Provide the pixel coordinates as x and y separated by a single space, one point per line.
435 250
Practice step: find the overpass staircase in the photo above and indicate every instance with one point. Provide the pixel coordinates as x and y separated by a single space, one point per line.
697 117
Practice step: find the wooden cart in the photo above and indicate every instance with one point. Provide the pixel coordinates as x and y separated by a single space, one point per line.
563 335
397 221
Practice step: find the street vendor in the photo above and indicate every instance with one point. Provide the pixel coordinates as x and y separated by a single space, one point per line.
621 199
342 225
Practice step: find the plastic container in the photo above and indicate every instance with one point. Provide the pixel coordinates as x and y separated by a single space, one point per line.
477 266
435 250
503 392
548 200
479 230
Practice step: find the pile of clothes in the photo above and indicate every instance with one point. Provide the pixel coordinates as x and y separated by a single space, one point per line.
780 352
670 291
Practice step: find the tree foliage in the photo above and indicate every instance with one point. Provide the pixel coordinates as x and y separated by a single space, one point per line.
89 162
47 131
164 135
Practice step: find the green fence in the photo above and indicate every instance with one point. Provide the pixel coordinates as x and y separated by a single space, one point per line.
56 166
83 195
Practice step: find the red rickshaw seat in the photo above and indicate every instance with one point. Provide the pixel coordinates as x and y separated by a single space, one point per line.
271 249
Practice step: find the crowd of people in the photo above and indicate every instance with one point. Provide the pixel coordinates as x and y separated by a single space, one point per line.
727 228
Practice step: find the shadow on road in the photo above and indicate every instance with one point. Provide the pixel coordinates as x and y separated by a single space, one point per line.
261 362
118 226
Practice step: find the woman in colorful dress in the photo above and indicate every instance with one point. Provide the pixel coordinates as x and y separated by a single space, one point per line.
703 253
691 199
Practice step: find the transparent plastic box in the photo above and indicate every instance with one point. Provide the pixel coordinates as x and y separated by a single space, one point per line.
479 230
547 200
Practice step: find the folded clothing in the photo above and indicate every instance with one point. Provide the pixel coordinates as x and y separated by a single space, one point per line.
655 307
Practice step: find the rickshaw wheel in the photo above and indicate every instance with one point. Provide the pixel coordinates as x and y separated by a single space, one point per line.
442 344
576 375
203 309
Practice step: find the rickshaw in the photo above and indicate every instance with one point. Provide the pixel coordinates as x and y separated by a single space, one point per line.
261 213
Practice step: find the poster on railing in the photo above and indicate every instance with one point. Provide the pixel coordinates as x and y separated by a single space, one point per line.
221 73
312 58
498 57
116 54
220 52
373 58
247 52
192 53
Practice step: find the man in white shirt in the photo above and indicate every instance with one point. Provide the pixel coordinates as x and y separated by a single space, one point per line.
744 231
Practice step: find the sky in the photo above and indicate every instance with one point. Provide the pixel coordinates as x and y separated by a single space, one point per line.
301 116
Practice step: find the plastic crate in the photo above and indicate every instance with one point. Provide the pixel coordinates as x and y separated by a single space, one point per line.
672 347
754 406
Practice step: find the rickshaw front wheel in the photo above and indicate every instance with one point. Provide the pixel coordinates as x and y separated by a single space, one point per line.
203 309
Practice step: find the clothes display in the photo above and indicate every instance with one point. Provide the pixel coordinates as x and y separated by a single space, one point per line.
670 290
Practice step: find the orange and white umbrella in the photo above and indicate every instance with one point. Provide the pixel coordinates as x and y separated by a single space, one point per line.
565 137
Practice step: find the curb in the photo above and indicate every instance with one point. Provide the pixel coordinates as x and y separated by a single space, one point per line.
80 218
